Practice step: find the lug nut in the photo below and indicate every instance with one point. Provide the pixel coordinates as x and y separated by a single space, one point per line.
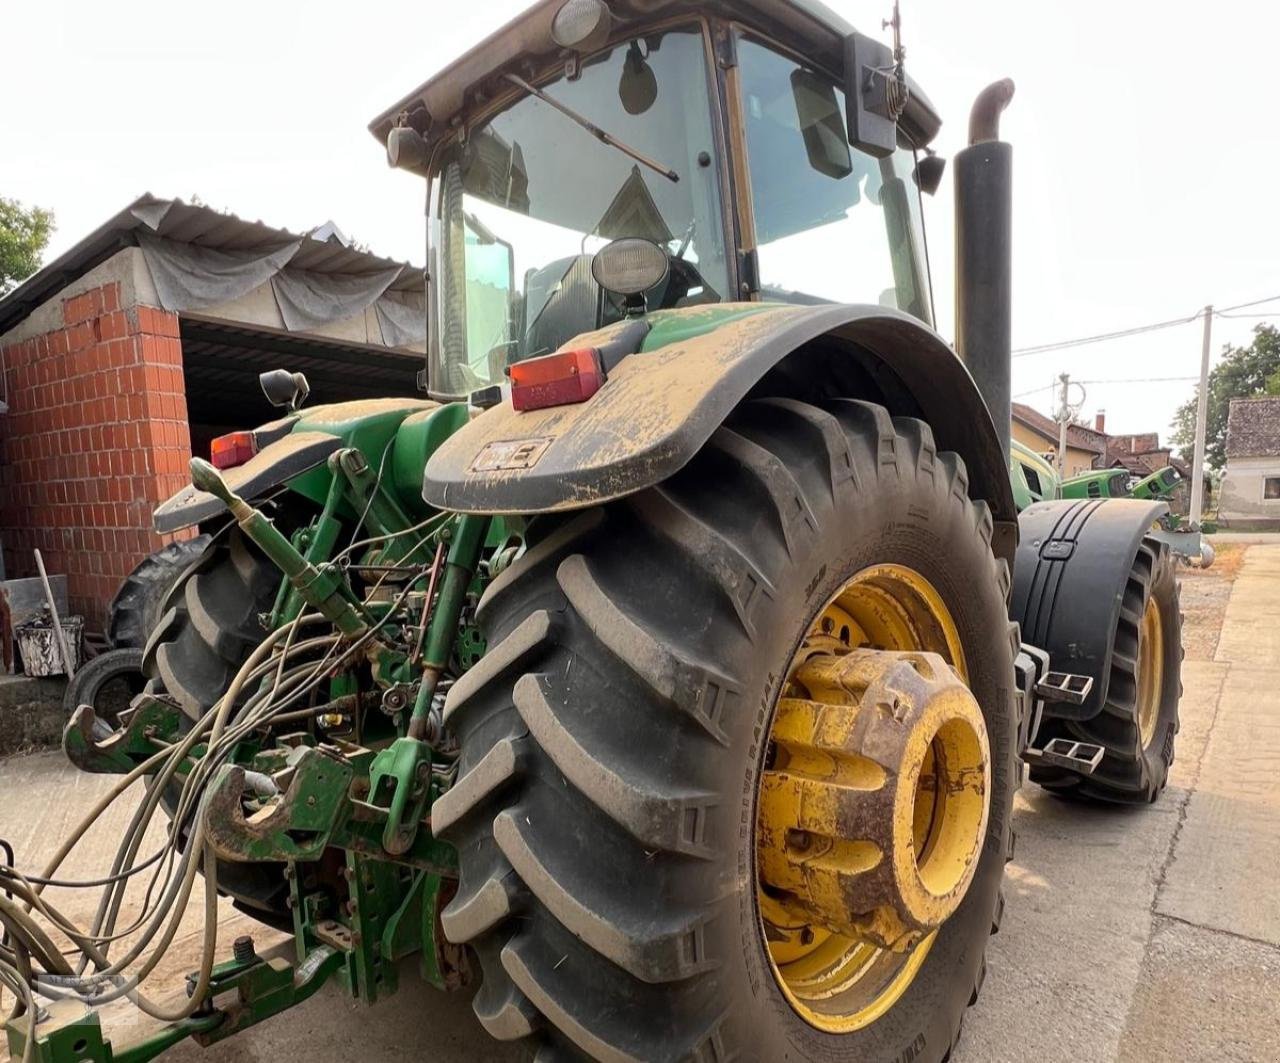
243 951
799 840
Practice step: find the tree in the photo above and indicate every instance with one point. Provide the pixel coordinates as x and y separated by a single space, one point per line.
24 234
1243 372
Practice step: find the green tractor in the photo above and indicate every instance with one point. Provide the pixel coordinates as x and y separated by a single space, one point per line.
1035 480
677 658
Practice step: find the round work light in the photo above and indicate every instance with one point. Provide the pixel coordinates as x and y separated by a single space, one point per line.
581 25
630 266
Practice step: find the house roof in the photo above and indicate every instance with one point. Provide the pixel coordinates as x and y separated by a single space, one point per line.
204 227
1077 435
1253 428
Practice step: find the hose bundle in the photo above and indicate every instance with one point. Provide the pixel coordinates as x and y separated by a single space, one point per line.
281 671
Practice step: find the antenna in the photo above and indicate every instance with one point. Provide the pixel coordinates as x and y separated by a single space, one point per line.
895 23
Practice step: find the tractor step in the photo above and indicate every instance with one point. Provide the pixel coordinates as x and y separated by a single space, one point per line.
1065 687
1083 757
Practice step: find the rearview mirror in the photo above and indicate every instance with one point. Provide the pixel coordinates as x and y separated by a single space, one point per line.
283 388
872 96
821 124
638 87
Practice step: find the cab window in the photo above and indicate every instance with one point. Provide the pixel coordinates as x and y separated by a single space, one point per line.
833 224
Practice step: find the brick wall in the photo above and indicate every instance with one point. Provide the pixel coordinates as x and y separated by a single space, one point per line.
96 436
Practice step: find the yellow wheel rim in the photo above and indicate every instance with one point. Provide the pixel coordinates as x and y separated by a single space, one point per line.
1150 671
843 969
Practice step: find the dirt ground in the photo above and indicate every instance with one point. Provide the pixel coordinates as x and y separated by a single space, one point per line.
1130 935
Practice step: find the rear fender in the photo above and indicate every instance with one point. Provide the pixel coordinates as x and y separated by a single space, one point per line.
1073 560
659 407
272 466
294 450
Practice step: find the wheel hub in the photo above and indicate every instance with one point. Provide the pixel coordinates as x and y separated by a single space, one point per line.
873 811
872 806
1150 671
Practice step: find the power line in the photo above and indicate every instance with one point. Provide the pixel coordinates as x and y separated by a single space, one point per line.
1081 341
1138 330
1242 306
1143 380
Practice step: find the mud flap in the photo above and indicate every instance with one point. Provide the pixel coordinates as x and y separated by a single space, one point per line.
1073 559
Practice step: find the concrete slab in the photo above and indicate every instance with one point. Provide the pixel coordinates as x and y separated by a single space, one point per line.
1250 633
1061 971
1206 996
1227 852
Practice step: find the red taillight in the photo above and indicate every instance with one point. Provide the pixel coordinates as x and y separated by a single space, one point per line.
226 452
556 379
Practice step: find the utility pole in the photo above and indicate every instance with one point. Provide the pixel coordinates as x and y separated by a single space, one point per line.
1064 418
1202 417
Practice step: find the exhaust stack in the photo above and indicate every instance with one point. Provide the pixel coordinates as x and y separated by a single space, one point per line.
984 254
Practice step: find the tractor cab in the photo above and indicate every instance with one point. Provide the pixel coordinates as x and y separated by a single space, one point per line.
717 159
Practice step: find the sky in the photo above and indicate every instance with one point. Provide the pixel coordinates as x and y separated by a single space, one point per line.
1146 146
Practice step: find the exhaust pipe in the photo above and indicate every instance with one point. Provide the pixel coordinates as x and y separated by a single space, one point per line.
984 255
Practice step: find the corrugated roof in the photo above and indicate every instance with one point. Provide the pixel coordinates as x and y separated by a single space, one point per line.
1253 428
187 223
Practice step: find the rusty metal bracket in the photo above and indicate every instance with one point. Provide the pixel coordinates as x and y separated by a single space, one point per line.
297 825
318 809
93 747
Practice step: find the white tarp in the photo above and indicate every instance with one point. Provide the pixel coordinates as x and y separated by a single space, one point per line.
308 300
189 277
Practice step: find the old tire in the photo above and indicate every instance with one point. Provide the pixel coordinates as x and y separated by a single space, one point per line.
108 682
1137 724
138 604
211 624
612 742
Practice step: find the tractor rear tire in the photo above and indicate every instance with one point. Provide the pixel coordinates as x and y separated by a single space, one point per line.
614 735
1137 724
138 604
211 624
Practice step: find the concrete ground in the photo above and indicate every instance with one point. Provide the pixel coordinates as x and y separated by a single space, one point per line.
1130 934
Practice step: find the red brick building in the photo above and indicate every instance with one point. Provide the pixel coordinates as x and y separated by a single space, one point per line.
118 365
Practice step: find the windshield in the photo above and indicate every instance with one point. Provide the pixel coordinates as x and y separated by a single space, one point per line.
530 196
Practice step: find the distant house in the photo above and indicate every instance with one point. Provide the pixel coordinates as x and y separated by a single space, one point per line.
1033 429
1142 455
1092 448
1250 493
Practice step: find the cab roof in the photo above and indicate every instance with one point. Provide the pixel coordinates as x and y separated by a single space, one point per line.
808 25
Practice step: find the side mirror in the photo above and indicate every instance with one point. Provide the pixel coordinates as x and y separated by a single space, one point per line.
821 125
283 388
406 150
873 97
929 172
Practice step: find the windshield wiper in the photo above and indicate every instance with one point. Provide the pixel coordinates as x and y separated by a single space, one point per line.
594 130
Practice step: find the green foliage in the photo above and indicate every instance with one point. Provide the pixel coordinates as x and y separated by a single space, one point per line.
24 234
1242 373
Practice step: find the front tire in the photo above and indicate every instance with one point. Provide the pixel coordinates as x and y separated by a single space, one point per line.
1137 724
139 603
614 737
211 624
